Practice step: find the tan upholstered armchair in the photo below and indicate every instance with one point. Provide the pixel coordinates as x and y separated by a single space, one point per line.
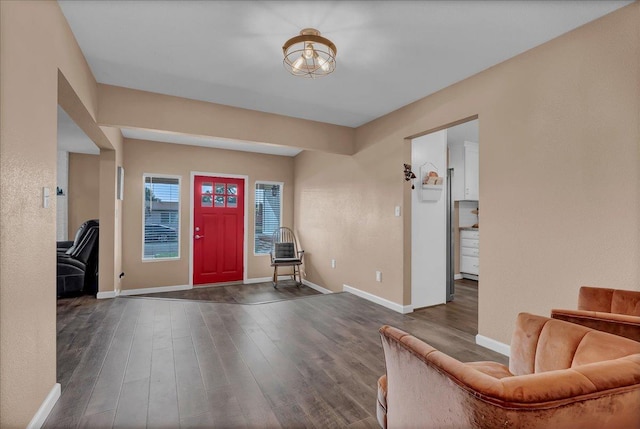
560 375
610 310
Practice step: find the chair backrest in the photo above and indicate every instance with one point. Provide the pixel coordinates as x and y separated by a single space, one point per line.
88 246
541 344
80 233
606 300
284 243
87 253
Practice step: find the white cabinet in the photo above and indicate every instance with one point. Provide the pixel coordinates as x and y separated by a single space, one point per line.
471 171
466 168
470 253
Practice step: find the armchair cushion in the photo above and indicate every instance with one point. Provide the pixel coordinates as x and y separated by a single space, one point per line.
284 250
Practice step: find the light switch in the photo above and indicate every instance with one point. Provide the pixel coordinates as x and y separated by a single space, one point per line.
398 211
45 197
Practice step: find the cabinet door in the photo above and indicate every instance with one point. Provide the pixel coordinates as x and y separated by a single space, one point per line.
469 264
471 172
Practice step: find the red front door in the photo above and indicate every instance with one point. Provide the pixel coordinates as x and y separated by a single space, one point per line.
218 235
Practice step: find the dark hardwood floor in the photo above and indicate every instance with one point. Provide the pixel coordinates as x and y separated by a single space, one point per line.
310 362
258 293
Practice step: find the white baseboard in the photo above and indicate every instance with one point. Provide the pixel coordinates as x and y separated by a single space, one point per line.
457 277
47 405
107 294
494 345
403 309
154 289
316 287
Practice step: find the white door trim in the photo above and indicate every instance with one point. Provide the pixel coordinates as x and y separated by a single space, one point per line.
246 218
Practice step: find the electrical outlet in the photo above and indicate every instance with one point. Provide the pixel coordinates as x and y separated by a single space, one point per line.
333 263
378 276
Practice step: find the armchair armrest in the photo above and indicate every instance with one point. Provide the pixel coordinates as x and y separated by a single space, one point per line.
619 324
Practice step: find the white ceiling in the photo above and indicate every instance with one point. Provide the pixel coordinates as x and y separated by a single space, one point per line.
390 53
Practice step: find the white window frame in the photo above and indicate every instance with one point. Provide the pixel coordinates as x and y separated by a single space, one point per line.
255 185
144 181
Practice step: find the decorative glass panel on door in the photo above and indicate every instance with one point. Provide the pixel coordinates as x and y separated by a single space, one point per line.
232 202
207 197
232 189
219 201
220 188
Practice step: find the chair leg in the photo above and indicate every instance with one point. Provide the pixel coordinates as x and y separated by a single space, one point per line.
275 277
299 279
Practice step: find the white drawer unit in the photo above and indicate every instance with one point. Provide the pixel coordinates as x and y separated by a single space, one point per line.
470 253
468 242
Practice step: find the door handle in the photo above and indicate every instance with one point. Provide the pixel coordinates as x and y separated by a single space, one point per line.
198 237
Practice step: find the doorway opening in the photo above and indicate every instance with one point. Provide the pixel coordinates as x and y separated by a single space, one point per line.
464 240
445 207
77 197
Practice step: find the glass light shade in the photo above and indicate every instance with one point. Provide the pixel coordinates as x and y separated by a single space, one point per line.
309 54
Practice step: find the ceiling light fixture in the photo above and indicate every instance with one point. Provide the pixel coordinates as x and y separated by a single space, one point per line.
309 54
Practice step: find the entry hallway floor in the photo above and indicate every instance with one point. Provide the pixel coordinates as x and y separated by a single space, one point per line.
309 362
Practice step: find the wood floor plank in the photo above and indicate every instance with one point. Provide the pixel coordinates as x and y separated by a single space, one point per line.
133 405
179 322
192 396
139 363
319 412
254 406
368 423
225 408
292 417
163 395
162 324
101 420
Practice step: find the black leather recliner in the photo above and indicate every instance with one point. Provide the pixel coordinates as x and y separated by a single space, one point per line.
77 268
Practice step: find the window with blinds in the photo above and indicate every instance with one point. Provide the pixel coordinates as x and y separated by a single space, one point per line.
161 232
268 214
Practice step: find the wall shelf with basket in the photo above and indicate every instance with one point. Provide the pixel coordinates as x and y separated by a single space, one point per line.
431 183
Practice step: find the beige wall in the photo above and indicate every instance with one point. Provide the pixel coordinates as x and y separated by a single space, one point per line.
162 158
124 107
37 54
344 210
552 122
84 190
